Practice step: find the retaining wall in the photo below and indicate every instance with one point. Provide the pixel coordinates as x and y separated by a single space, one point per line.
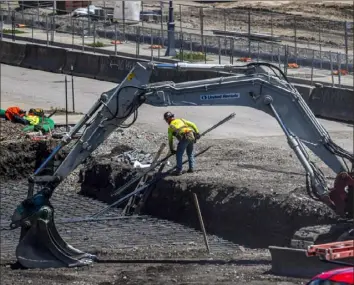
326 102
333 103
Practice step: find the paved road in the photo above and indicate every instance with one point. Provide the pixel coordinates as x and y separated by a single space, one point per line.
32 88
320 75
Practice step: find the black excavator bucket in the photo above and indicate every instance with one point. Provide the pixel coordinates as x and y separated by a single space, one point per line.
41 246
294 262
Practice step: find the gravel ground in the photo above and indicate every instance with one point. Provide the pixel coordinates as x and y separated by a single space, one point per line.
138 238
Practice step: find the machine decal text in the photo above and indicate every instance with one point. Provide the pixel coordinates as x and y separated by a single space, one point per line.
220 96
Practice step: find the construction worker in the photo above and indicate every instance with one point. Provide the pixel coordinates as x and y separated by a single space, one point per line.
186 133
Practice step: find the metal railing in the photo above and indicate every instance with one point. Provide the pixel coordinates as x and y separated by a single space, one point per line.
221 49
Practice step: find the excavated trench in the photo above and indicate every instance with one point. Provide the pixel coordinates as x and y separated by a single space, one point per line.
251 217
242 215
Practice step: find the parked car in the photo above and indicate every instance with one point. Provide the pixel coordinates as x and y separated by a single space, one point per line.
340 276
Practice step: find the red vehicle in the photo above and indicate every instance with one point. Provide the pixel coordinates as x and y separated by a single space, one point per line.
340 276
330 252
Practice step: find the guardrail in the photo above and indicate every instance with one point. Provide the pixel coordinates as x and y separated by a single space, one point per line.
327 102
185 41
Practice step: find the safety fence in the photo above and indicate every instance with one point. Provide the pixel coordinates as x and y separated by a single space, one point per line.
327 102
189 45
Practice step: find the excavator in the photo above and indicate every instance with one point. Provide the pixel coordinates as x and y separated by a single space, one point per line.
257 85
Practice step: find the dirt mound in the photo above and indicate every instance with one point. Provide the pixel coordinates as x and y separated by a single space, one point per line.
20 159
10 131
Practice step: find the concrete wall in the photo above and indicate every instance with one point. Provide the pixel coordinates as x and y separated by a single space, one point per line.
326 102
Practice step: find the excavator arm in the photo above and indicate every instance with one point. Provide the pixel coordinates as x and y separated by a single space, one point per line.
258 85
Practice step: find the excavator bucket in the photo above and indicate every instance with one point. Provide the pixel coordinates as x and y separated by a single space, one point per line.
41 246
294 262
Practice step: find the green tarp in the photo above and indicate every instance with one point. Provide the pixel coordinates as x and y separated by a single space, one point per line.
2 113
44 125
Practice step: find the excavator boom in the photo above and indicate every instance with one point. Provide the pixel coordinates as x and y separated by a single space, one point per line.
261 86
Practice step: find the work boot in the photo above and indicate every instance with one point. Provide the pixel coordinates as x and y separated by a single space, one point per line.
177 172
190 170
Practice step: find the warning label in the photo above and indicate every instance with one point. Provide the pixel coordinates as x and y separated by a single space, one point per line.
220 96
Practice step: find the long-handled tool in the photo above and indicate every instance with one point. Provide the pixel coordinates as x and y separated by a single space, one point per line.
153 166
142 181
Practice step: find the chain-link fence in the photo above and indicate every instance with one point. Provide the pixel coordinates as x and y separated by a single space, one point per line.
138 40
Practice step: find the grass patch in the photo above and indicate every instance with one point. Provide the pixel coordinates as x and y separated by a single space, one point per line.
9 31
97 44
190 56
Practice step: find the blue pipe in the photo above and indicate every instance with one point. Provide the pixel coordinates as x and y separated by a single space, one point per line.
166 65
57 148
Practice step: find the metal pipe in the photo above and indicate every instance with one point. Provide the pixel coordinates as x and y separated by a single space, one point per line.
66 104
196 203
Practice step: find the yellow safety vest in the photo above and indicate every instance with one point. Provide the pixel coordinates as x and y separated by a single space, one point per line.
34 120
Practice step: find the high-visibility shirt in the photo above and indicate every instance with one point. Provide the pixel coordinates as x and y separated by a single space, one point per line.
34 120
11 112
178 127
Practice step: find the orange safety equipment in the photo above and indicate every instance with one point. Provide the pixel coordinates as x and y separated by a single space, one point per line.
11 112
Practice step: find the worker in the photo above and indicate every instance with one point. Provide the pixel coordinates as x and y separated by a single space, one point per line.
16 115
186 133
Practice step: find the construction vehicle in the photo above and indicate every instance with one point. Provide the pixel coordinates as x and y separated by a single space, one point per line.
262 86
330 253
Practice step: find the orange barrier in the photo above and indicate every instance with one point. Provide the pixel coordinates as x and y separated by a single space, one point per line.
293 65
155 47
116 42
342 72
245 59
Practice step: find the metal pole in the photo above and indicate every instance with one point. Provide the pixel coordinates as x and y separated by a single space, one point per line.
313 61
94 33
271 32
295 36
115 37
200 218
286 60
331 63
123 3
138 42
161 33
205 51
73 32
232 50
170 51
72 88
201 27
54 13
219 43
32 29
249 33
180 17
46 25
66 104
83 37
142 23
346 44
339 69
2 25
152 43
319 39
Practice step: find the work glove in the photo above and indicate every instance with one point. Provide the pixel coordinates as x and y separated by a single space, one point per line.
173 151
197 136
